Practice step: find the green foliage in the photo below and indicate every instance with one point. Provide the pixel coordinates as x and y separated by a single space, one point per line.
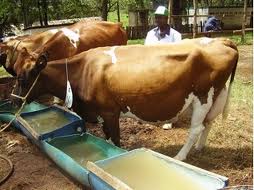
112 16
8 14
76 9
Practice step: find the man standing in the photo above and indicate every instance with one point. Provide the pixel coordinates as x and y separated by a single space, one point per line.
212 24
163 33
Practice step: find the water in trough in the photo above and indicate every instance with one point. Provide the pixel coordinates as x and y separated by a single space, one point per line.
142 170
47 121
80 150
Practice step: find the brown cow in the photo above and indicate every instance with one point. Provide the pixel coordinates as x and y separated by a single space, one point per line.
71 41
66 42
151 83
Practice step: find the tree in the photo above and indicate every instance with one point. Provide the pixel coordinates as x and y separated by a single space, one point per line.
8 15
45 12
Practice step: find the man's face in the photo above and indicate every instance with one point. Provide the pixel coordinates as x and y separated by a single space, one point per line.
161 20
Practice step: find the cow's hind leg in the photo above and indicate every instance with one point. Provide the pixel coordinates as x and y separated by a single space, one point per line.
198 116
216 109
203 136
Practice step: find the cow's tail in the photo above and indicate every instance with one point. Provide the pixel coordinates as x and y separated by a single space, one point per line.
226 107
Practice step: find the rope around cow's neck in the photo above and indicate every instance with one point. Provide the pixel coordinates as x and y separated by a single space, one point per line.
2 127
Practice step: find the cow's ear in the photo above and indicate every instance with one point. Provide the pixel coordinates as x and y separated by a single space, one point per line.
41 62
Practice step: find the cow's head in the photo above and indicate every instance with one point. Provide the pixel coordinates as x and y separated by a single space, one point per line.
27 73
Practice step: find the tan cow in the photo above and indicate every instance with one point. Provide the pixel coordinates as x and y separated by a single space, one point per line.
151 83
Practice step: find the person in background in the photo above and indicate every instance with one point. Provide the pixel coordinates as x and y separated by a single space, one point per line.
163 33
212 24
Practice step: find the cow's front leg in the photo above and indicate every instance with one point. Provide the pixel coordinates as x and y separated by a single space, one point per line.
111 127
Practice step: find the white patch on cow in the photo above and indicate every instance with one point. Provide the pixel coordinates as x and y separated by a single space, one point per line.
73 36
54 31
200 111
111 53
187 103
198 116
205 41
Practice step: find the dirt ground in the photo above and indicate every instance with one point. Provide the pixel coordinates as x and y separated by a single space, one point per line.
228 152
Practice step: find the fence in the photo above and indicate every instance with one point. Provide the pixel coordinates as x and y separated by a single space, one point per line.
139 32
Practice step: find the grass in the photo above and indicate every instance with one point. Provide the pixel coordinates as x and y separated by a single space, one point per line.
3 73
242 92
138 41
237 39
124 18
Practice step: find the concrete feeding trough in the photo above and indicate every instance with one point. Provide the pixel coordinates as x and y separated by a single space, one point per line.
145 169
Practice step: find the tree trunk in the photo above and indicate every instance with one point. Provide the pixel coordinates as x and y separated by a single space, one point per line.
39 9
45 12
194 18
170 5
104 11
118 11
244 20
24 11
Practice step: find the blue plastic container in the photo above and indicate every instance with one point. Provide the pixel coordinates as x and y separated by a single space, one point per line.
7 110
73 123
59 150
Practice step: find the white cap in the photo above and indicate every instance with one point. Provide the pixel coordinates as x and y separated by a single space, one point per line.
161 10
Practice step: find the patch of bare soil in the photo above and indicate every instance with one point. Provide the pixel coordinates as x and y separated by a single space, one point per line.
228 151
32 169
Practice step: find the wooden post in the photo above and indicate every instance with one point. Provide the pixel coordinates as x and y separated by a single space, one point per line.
170 5
118 11
244 20
194 18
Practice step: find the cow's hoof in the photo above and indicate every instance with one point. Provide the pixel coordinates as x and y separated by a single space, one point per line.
199 147
180 157
110 141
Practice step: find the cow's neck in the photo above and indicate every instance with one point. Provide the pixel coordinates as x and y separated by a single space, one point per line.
55 76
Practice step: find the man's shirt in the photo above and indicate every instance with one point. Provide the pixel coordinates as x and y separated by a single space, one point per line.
155 36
